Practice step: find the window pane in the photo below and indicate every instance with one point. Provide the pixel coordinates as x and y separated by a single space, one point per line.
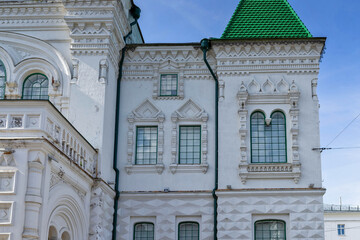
146 145
189 231
268 141
2 80
36 87
144 231
270 230
168 84
189 147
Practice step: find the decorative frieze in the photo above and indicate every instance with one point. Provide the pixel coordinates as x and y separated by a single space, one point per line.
6 213
7 181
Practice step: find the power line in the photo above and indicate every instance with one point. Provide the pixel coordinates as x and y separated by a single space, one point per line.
334 148
331 230
342 131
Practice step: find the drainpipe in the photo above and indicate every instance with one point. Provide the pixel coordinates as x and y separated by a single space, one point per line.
135 12
205 46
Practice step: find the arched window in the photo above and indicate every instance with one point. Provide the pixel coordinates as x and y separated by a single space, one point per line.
270 230
65 236
268 140
188 231
36 87
2 80
144 231
52 235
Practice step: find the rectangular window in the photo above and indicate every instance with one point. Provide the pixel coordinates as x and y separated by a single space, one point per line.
168 84
146 145
341 229
190 147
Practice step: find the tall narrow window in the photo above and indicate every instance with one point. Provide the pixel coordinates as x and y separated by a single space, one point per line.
36 87
188 231
341 229
168 84
144 231
2 80
146 145
270 230
190 146
268 141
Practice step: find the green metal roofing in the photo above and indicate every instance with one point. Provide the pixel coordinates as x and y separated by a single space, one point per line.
265 19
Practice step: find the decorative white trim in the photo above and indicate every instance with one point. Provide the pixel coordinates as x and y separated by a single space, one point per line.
75 63
188 114
7 181
168 67
103 70
6 213
269 93
146 114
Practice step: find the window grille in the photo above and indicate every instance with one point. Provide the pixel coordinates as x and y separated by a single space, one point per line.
2 80
270 230
190 147
188 231
146 145
144 231
36 87
168 84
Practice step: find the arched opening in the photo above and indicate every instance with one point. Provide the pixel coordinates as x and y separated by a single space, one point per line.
36 86
2 80
65 236
52 233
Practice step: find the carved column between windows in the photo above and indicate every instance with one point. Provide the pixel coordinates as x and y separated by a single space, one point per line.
294 95
243 113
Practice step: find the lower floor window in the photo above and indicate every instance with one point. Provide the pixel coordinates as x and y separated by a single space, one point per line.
341 229
188 231
144 231
270 230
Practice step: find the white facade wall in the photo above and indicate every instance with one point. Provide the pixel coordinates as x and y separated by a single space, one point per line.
351 220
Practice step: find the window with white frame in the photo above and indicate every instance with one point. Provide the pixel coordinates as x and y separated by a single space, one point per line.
189 145
36 87
168 84
341 229
146 145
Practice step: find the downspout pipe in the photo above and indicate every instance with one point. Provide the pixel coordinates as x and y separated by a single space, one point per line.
205 46
135 12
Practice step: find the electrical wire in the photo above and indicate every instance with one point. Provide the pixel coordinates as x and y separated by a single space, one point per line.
331 230
342 131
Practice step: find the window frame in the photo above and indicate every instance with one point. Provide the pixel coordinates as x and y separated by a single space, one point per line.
23 87
186 222
177 85
4 77
251 137
269 220
138 223
136 144
341 229
180 126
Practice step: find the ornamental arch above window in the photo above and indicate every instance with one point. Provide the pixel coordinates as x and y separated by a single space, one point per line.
270 230
268 138
2 80
36 86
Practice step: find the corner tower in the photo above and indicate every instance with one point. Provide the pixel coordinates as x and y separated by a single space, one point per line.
269 176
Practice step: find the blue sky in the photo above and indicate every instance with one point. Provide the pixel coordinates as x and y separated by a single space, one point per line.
339 80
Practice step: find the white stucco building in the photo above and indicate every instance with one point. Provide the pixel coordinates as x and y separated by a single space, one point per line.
341 222
209 140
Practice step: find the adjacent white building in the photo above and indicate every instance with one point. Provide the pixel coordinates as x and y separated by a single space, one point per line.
213 140
341 222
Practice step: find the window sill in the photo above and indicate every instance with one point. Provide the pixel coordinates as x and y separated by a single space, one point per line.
183 168
175 97
156 168
270 171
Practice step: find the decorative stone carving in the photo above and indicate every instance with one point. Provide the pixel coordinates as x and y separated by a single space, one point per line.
55 83
6 212
104 66
279 93
146 114
33 121
16 121
313 88
221 90
189 113
75 63
6 157
7 181
3 121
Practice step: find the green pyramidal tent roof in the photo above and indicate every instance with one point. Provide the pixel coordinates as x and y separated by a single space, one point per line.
265 19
